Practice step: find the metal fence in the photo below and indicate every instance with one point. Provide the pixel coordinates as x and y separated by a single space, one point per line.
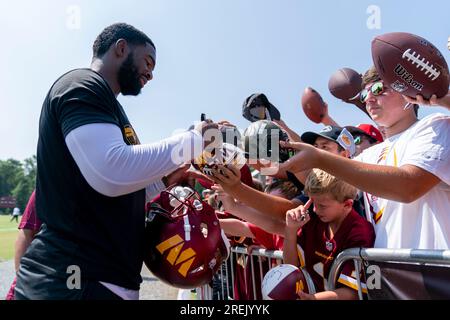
223 284
363 257
260 260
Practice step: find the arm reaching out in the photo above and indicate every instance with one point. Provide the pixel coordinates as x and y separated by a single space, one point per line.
295 220
249 214
343 293
404 184
327 120
269 205
235 228
293 136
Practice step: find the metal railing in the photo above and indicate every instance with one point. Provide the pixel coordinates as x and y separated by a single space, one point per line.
410 256
225 289
225 280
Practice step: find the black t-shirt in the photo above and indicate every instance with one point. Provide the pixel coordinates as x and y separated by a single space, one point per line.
101 235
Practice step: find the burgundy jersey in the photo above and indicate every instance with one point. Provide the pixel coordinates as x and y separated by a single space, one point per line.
29 219
317 251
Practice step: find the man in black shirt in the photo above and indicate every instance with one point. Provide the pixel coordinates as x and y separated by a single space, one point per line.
93 176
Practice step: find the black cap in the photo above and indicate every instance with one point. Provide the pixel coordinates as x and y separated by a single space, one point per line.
331 133
257 100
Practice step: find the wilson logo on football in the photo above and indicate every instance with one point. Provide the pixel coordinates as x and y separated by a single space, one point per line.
403 74
176 255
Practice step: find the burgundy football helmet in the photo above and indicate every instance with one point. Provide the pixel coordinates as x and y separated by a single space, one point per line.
186 245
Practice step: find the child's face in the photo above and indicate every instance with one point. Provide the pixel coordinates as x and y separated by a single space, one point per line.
328 209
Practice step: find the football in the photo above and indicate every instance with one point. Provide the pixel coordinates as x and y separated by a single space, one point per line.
283 282
345 84
313 105
410 64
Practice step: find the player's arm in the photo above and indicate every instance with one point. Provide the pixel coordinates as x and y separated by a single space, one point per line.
114 168
404 184
229 179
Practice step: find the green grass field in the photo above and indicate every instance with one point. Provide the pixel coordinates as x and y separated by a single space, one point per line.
8 234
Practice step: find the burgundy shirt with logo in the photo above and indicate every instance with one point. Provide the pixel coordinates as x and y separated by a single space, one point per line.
317 251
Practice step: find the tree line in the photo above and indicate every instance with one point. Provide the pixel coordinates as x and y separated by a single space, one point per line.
17 179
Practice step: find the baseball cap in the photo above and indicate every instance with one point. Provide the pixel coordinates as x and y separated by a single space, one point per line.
367 130
258 107
339 135
331 133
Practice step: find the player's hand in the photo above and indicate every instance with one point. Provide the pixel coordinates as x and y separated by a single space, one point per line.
296 218
227 176
228 201
434 101
306 157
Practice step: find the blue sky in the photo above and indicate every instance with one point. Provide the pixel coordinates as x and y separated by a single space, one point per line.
211 55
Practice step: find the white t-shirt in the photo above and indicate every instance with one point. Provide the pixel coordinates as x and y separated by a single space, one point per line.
424 223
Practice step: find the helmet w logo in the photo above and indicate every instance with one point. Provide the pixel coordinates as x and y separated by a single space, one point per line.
176 255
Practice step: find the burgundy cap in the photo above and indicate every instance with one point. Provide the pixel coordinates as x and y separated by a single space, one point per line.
367 129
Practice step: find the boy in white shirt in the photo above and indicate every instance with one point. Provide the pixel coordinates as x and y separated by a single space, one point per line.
405 179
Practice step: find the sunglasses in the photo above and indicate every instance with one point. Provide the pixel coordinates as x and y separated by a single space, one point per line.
376 88
359 139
